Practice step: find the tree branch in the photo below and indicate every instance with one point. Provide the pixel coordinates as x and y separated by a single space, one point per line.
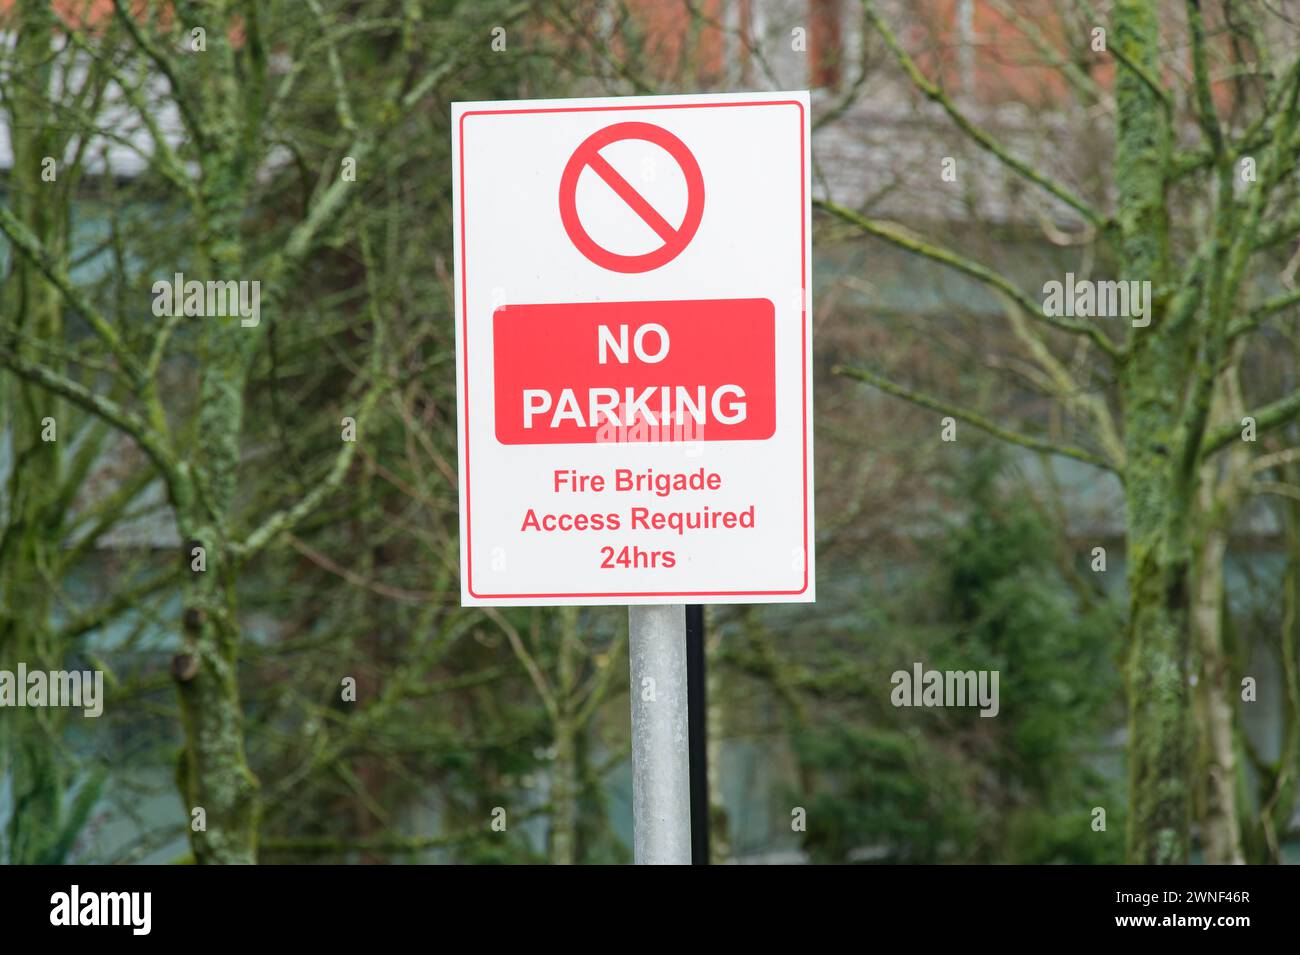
943 407
1205 110
1268 417
289 517
1227 276
932 92
975 270
1262 311
30 246
153 444
196 128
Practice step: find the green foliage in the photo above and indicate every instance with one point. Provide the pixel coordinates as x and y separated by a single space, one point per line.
945 784
887 791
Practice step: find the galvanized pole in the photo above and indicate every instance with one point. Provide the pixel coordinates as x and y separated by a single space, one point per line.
661 771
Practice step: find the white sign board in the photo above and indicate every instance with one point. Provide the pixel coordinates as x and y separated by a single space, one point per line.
633 350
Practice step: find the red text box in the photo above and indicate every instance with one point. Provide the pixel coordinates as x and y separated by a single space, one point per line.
635 371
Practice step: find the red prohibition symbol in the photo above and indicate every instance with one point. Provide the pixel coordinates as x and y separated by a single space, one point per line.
587 155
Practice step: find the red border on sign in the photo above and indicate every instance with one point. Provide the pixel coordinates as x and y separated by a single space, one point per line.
803 345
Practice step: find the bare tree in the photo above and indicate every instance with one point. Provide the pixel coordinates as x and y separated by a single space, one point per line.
1202 222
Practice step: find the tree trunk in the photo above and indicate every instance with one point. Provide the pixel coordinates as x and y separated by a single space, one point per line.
564 795
1279 781
1216 698
214 773
719 823
1158 485
30 544
1220 825
1159 792
564 774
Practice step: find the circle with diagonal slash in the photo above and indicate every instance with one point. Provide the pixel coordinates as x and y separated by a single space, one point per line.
587 156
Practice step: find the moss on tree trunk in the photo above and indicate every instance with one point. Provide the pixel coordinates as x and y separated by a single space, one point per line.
1158 483
214 773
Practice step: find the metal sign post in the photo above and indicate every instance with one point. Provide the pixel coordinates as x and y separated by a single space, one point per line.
661 769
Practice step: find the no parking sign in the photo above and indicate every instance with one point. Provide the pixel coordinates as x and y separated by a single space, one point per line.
633 350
